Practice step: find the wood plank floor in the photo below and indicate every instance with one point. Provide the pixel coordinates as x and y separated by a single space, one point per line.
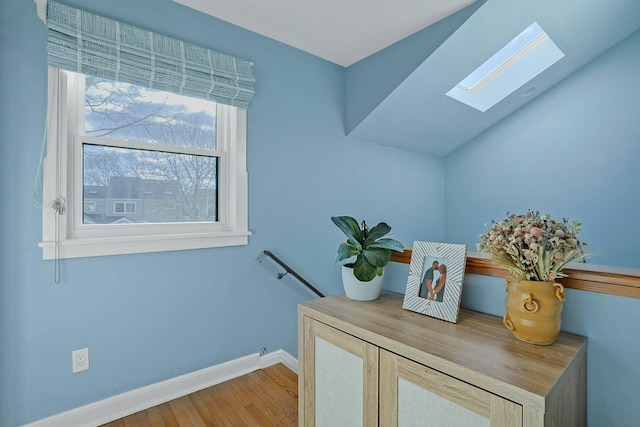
267 397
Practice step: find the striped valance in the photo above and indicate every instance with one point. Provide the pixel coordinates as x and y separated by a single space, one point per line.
91 44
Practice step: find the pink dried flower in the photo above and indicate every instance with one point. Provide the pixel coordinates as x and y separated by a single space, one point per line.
533 246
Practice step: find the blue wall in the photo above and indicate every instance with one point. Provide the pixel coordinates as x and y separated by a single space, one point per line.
572 152
150 317
372 79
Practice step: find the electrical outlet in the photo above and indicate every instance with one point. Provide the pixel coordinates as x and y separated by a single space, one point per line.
80 360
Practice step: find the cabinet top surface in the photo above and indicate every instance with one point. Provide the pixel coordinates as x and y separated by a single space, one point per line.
478 346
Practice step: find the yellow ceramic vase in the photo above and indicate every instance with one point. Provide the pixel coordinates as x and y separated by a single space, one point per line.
533 310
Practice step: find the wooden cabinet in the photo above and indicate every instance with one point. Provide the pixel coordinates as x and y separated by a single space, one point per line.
373 363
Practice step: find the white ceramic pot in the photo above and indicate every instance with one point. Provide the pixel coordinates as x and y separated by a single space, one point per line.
358 290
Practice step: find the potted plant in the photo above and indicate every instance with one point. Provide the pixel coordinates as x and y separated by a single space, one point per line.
534 248
362 279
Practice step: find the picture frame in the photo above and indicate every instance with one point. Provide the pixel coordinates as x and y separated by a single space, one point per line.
426 292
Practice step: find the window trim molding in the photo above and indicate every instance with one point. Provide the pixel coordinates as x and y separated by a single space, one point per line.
71 242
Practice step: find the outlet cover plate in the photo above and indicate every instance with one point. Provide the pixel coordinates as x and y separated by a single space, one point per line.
80 360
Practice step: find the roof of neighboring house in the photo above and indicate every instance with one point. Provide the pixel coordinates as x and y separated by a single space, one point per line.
94 192
121 187
102 219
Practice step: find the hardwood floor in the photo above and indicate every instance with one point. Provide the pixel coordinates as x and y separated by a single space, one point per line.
267 397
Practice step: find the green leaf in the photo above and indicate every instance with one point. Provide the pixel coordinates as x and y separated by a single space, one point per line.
377 257
387 243
356 245
349 227
345 251
363 270
377 232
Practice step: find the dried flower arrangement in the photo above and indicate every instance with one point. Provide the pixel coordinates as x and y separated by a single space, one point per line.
533 246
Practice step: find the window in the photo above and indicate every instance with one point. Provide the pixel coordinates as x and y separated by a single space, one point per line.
124 207
140 170
523 58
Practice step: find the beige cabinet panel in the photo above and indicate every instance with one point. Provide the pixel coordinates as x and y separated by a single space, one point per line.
341 377
413 395
339 391
419 407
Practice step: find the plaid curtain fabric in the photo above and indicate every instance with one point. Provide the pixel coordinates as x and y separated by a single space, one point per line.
90 44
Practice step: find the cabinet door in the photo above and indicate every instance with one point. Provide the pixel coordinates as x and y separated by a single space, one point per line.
415 395
339 378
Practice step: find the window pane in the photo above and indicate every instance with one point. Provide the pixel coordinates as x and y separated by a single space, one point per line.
124 185
120 110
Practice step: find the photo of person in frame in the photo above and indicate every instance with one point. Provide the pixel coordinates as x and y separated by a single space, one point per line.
438 289
432 283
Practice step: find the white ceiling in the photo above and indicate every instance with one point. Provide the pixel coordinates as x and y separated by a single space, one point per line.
340 31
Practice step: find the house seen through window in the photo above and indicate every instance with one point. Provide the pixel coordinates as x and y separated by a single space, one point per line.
150 156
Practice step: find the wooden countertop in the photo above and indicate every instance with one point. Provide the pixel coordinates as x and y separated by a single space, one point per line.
477 348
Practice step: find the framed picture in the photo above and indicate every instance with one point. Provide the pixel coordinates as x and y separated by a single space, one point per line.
434 286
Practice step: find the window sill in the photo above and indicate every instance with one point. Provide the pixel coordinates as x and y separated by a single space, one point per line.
89 247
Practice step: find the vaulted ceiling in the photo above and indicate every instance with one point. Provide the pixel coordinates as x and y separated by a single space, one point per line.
340 31
411 110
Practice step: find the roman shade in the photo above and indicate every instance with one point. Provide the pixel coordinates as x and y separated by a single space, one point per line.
87 43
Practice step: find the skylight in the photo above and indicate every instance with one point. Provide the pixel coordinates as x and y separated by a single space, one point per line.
518 62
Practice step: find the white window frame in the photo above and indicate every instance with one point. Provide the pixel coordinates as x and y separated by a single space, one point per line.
65 236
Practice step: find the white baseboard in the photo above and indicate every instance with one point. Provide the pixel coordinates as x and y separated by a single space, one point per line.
133 401
279 356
